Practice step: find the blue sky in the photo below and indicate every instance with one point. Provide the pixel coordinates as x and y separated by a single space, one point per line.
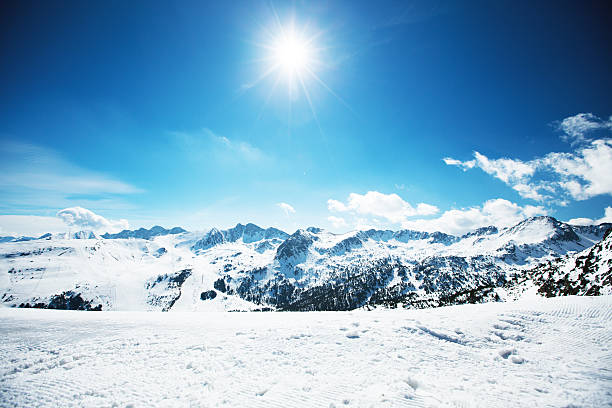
151 113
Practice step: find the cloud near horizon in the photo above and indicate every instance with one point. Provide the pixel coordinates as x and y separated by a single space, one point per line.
337 222
588 221
85 219
287 208
389 206
369 209
498 212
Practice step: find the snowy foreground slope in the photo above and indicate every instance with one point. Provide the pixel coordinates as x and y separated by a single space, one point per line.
247 267
536 352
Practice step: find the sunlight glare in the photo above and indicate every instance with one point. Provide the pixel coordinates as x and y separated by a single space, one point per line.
292 54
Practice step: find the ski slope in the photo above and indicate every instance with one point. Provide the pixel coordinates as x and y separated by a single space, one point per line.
536 352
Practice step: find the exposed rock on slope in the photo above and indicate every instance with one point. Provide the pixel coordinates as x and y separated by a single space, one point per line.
240 233
586 273
165 290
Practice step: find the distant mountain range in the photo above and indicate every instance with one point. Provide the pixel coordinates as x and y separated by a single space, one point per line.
251 268
141 233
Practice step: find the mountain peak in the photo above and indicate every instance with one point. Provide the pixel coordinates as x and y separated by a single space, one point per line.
248 233
314 230
295 248
489 230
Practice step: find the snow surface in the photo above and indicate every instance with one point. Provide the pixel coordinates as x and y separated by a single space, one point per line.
535 352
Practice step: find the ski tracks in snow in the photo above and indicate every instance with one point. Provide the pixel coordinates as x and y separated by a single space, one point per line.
552 352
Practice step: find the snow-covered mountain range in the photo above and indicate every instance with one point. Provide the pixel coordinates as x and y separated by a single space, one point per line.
251 268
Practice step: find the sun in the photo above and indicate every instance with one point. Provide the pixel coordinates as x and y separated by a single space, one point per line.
292 54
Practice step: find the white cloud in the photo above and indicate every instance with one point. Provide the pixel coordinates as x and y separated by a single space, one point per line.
426 209
30 225
335 205
389 206
337 222
586 173
576 127
507 170
288 209
70 218
588 221
581 221
528 191
464 165
84 219
607 216
581 174
498 212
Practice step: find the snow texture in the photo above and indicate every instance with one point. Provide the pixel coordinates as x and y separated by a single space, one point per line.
535 352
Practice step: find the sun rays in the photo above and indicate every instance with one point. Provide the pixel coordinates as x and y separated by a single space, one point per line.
293 56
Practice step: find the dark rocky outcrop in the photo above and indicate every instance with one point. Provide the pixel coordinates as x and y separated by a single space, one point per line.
68 300
208 295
